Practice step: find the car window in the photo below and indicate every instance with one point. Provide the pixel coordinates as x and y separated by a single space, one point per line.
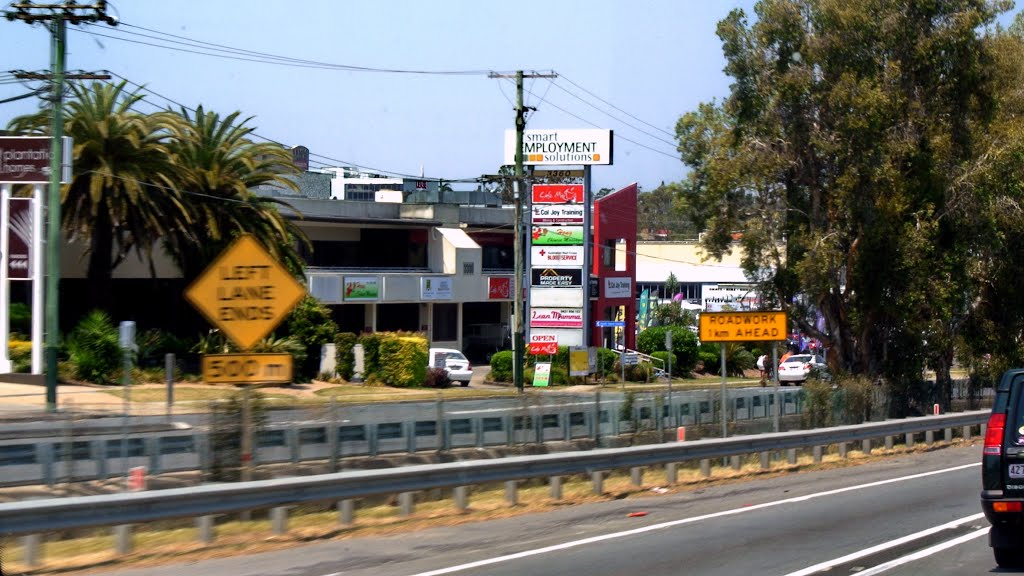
1018 416
798 359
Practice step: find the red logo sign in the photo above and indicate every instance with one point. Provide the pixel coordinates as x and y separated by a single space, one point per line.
499 288
558 193
538 348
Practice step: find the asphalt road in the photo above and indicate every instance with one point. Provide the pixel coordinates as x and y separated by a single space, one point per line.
908 515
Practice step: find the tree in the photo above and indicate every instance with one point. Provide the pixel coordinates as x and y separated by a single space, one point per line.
217 166
663 209
122 194
840 154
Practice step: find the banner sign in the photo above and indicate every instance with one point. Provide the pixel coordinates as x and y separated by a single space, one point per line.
361 288
435 288
621 287
561 147
499 288
556 297
556 255
557 277
557 236
742 326
579 361
556 318
558 194
543 344
541 373
26 160
557 214
19 239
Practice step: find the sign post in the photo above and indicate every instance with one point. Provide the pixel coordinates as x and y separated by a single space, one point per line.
768 326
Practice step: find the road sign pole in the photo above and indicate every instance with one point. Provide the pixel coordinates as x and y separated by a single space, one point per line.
725 424
775 381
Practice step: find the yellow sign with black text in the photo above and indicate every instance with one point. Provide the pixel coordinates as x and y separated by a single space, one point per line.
247 368
245 292
767 325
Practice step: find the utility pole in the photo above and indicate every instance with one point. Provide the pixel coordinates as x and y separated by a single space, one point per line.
57 15
519 339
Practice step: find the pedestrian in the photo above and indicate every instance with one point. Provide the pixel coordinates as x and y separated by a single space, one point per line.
762 360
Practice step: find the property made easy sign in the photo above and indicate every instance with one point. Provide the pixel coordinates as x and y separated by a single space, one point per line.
561 147
742 326
557 277
245 292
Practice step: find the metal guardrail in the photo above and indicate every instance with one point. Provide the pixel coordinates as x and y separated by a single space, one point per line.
38 516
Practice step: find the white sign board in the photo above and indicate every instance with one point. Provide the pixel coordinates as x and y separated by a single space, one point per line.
556 317
618 287
556 297
561 147
435 288
557 214
564 336
560 256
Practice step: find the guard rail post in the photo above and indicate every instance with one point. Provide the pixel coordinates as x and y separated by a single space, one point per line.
865 446
817 454
791 456
597 479
909 440
406 503
123 539
636 476
205 526
966 432
705 467
947 434
346 511
31 549
889 442
512 492
671 473
841 447
929 437
461 497
279 519
555 487
766 460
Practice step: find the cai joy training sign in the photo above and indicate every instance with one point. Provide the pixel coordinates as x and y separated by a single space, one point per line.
561 147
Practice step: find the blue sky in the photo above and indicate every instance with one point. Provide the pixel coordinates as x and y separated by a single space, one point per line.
651 59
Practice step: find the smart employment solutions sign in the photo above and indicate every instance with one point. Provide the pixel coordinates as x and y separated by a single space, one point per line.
742 326
561 147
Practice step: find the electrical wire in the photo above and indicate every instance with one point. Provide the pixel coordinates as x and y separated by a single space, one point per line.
613 117
227 52
663 131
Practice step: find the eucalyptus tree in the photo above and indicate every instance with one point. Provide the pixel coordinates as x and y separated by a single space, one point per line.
839 156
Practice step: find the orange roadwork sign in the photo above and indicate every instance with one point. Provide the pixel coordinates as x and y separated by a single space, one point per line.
769 325
245 292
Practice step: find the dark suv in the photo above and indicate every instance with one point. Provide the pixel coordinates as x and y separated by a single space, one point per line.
1002 471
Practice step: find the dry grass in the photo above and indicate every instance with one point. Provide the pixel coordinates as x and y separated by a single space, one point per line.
177 542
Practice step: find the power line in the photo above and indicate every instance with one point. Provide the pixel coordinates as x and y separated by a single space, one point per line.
667 133
613 117
227 52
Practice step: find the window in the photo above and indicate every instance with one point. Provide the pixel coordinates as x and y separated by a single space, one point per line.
467 268
389 430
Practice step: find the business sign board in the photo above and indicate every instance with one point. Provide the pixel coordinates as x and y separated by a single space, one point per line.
541 373
565 336
557 194
247 368
19 239
557 173
435 288
561 147
26 160
557 214
361 289
742 326
499 288
618 287
556 255
556 277
556 297
543 344
579 361
245 292
557 235
556 318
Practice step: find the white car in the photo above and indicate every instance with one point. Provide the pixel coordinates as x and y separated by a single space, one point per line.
454 361
798 367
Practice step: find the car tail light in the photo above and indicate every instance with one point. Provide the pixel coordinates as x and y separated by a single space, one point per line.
1007 506
994 435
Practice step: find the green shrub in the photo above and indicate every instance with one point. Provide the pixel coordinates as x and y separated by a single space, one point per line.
20 318
501 366
371 354
817 411
684 346
403 359
345 358
21 355
310 323
93 349
606 361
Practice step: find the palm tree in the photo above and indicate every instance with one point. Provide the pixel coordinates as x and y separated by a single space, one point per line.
216 166
122 196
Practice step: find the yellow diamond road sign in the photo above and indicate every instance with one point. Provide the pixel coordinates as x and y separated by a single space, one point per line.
245 292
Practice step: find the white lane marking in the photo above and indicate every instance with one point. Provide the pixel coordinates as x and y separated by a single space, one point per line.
673 523
923 553
828 564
